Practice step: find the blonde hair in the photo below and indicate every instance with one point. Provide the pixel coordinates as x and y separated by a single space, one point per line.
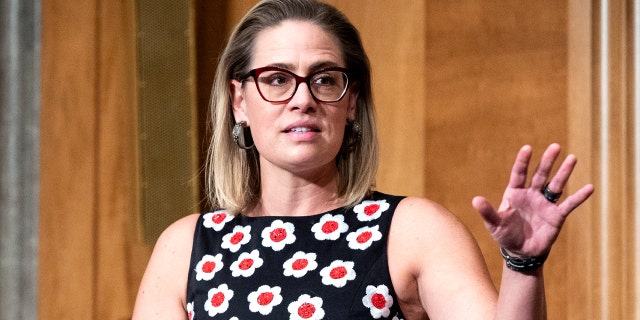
233 174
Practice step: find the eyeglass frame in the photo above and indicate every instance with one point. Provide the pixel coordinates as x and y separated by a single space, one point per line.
255 73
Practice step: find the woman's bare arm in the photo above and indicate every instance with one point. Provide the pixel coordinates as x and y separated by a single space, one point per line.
162 292
443 266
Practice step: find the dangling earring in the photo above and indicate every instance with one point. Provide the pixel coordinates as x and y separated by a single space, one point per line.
238 129
354 136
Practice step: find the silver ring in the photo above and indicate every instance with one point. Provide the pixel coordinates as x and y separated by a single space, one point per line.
550 195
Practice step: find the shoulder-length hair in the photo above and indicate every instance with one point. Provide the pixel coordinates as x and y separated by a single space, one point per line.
233 174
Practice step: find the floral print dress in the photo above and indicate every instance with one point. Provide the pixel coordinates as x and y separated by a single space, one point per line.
331 265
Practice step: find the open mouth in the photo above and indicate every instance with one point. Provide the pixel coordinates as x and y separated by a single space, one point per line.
302 130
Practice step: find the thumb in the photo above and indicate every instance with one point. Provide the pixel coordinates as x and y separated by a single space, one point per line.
486 210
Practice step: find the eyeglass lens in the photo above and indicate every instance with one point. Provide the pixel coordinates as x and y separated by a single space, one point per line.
279 85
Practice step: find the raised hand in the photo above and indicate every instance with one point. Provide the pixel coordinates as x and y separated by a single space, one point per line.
529 219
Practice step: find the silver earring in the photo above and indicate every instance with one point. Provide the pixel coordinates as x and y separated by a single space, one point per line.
352 139
238 129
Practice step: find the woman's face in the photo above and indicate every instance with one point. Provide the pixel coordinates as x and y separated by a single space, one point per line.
301 135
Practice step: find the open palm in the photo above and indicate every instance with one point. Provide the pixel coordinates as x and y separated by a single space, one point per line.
527 224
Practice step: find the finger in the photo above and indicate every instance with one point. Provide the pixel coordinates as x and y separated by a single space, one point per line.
559 180
486 210
518 177
576 199
544 168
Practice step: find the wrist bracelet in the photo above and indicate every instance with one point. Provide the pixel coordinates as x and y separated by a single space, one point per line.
523 264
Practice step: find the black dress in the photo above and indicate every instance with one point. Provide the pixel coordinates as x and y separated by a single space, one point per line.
331 265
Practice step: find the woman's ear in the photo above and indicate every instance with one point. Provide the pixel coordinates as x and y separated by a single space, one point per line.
237 101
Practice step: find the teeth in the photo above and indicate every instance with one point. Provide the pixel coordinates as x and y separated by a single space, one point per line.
300 130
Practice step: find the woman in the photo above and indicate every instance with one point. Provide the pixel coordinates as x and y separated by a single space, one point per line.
298 232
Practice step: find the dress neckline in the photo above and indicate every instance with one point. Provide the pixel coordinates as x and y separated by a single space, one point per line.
371 196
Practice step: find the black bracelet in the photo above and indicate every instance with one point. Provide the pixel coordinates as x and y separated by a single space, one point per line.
523 264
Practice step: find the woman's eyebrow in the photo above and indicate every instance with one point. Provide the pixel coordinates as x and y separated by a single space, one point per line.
285 66
322 65
314 67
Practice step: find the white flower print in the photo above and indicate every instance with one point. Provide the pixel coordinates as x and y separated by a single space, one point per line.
306 308
208 266
338 273
218 300
246 264
378 300
236 238
330 227
264 299
190 313
278 235
370 210
363 237
216 220
300 264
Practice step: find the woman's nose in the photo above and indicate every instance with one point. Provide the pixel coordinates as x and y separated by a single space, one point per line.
302 99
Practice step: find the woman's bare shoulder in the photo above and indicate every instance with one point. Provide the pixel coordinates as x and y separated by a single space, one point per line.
173 248
432 255
163 287
431 228
179 232
422 214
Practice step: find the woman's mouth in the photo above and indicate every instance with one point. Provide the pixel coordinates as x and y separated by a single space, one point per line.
302 130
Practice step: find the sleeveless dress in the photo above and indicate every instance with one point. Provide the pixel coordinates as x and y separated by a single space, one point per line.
331 265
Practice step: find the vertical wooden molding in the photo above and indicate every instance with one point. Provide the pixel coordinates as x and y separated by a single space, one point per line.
621 212
604 104
615 128
635 91
583 229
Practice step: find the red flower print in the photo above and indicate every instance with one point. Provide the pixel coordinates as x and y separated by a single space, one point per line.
246 264
208 266
378 300
218 300
362 238
190 313
338 273
278 235
216 220
298 265
236 238
306 308
370 210
264 299
329 227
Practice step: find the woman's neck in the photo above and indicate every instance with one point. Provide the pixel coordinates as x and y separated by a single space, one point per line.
297 194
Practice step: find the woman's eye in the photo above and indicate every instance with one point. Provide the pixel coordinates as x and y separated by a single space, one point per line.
276 79
324 80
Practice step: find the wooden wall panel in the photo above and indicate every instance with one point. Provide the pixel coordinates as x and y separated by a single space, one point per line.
119 255
68 160
91 262
496 80
582 233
